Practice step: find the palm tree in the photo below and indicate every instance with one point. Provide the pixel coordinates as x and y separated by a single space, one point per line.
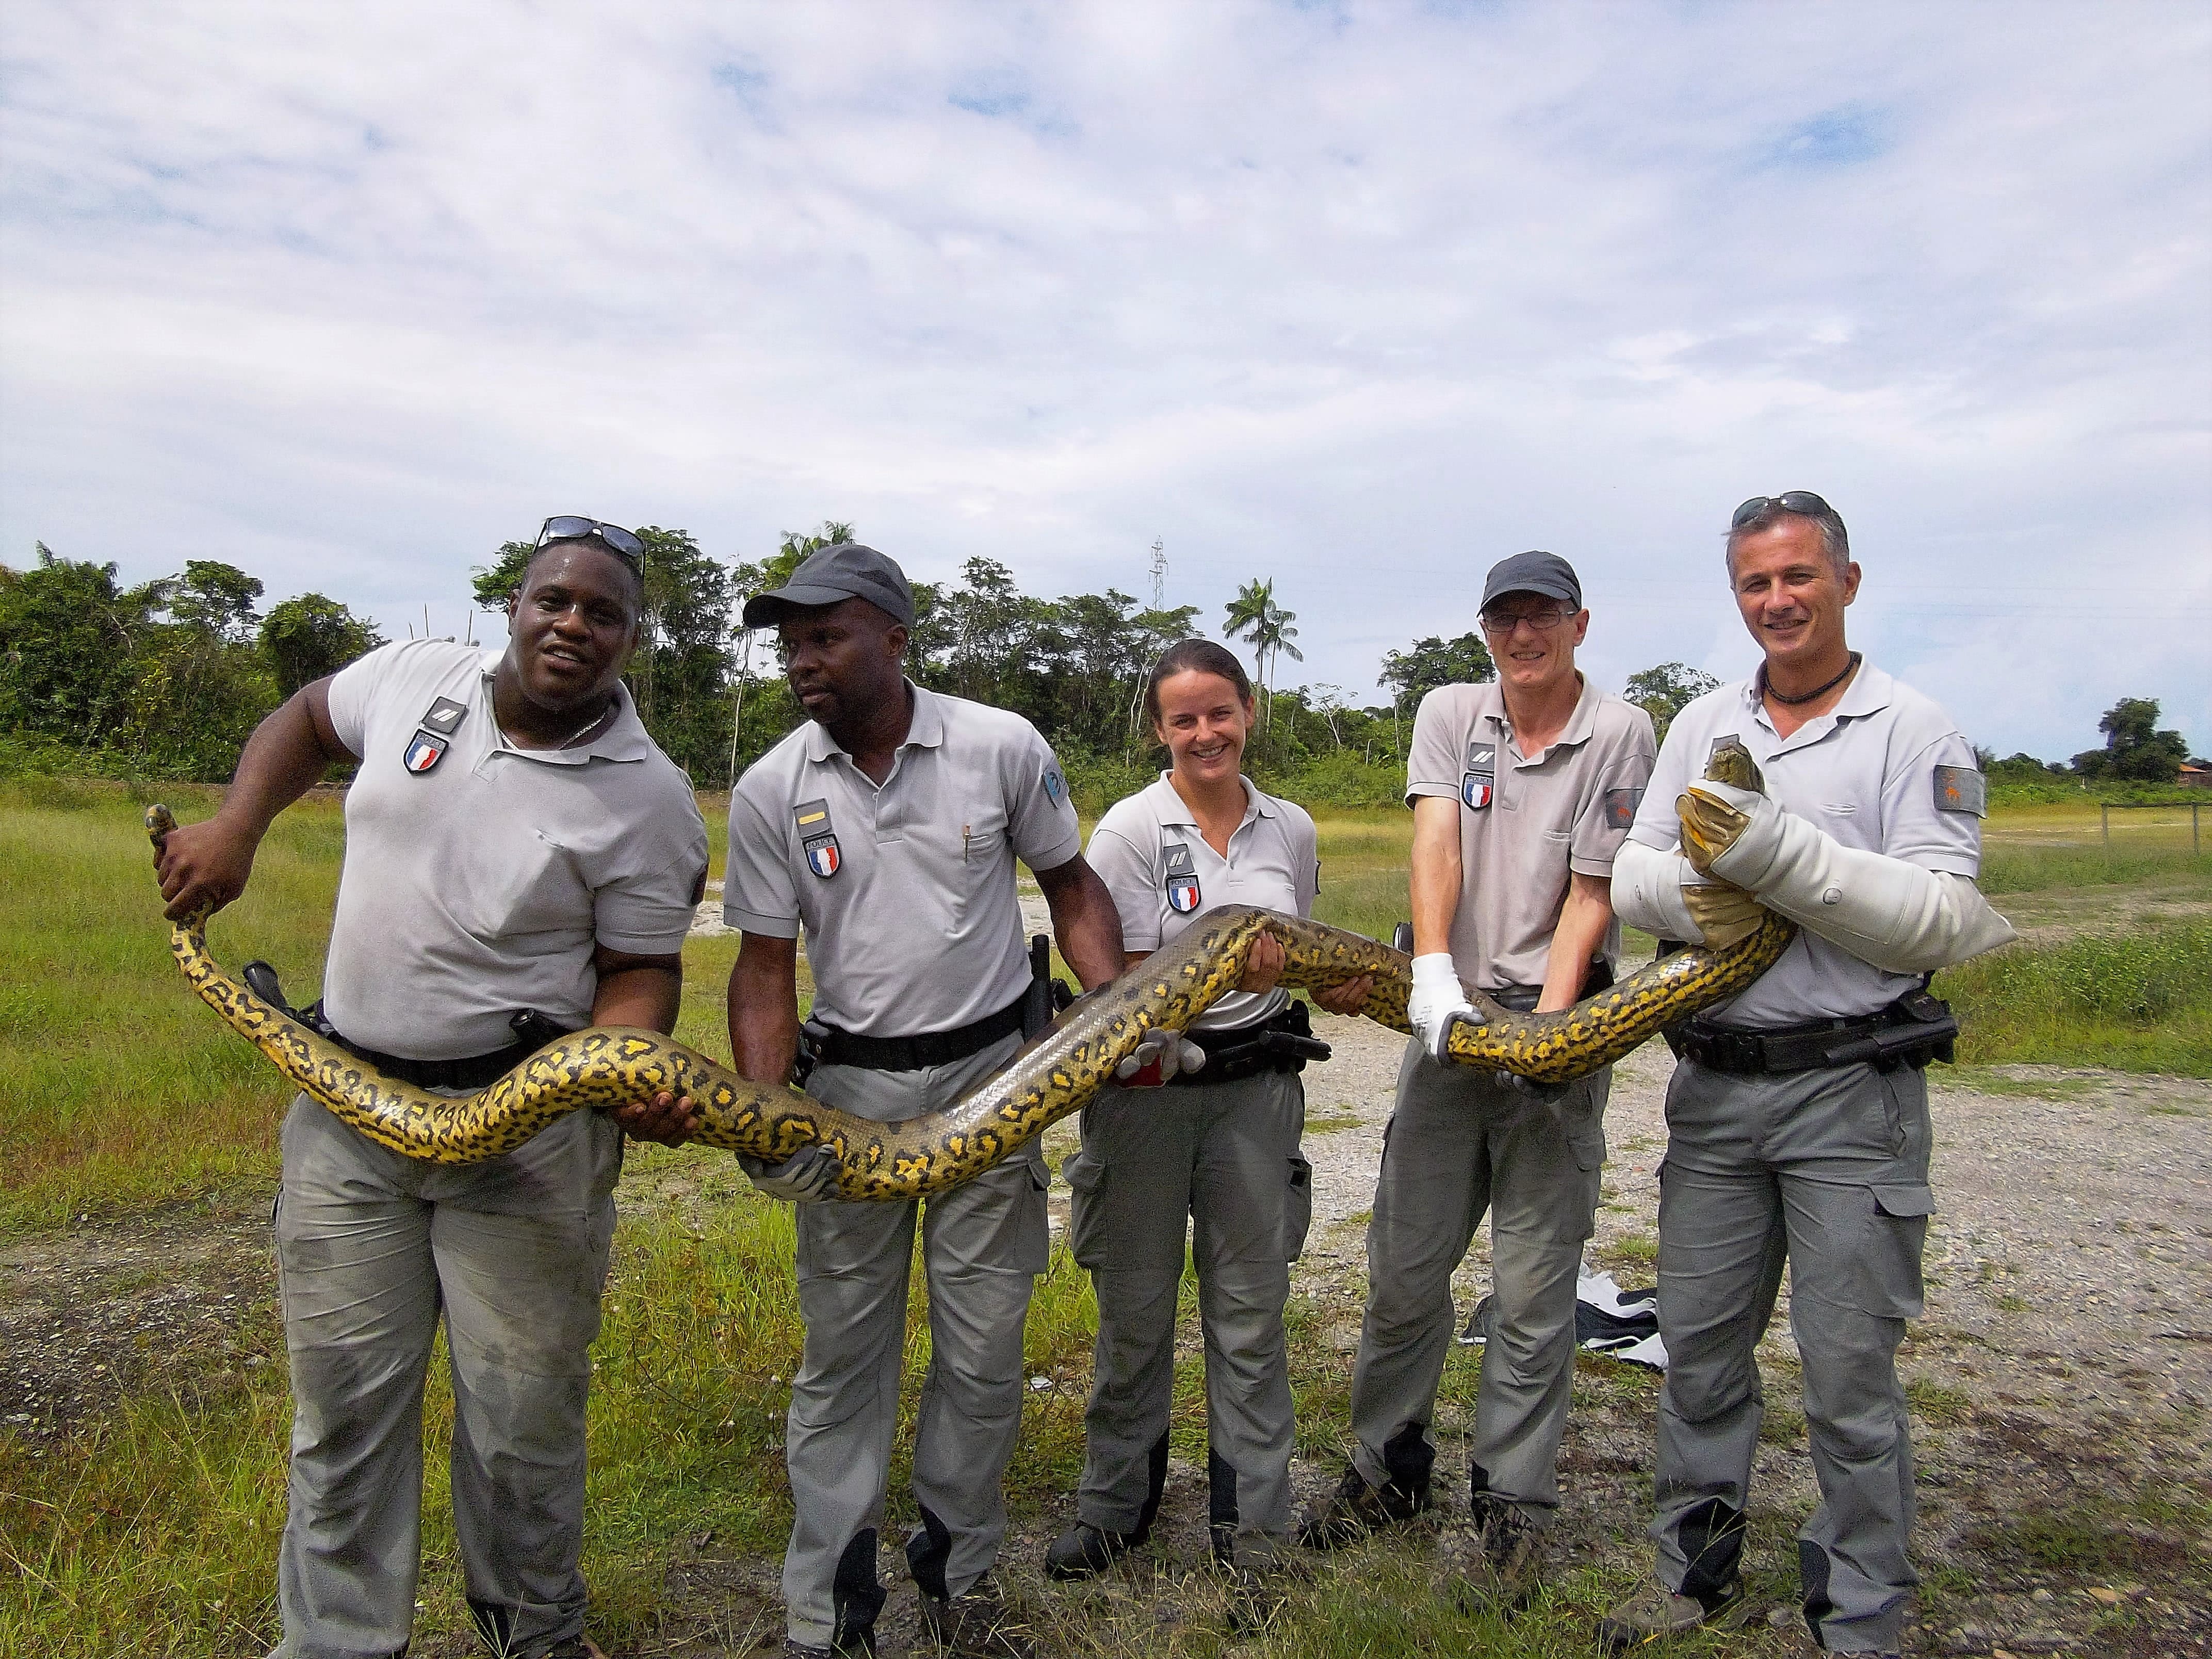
1254 615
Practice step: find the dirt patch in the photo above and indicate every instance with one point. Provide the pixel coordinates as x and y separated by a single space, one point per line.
2061 1380
178 1301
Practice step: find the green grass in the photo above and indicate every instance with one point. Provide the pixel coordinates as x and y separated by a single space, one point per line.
2134 1001
2034 849
692 1377
117 1086
1362 870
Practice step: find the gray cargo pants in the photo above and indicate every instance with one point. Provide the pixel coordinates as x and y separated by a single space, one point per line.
1461 1143
983 1245
1224 1155
1827 1170
371 1247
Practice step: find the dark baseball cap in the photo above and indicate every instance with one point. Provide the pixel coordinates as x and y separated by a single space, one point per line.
1533 572
843 570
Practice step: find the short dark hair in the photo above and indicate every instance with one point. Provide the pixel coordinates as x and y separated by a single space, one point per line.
1835 540
1198 657
636 575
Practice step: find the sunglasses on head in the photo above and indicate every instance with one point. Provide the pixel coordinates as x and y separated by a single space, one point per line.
1789 501
568 527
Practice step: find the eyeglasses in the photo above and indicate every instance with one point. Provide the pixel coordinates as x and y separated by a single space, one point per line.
1502 623
568 527
1789 501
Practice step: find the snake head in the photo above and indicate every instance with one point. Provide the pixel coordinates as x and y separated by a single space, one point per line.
160 820
1731 763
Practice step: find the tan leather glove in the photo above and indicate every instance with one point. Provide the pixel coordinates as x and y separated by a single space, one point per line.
1710 826
1725 916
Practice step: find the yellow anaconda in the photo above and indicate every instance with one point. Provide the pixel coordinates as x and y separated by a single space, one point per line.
1052 1076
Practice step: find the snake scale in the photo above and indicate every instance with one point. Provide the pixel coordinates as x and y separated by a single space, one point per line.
1051 1077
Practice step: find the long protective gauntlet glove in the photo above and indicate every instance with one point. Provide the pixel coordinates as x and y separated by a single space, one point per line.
1663 894
1436 997
1882 910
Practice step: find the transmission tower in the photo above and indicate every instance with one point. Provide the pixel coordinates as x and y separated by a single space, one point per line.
1159 573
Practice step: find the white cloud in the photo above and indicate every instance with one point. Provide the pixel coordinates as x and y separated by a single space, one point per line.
1363 299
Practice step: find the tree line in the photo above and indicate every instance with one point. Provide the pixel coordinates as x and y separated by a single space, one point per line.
166 678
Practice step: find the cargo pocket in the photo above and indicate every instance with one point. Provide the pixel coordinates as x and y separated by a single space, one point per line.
1298 1209
1034 1234
1889 1260
1583 1120
1086 1209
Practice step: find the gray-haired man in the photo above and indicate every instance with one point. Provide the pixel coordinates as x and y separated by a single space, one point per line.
1522 792
1797 1120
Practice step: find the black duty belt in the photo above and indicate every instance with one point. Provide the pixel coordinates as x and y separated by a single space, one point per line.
532 1031
1912 1031
1284 1044
1523 999
470 1072
832 1047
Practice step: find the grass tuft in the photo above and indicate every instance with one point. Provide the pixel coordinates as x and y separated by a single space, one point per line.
2137 1001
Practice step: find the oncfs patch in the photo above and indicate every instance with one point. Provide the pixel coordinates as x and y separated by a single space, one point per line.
1961 789
1055 786
1479 783
817 838
1620 806
1180 878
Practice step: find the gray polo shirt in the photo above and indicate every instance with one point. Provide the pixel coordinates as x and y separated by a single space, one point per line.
479 877
905 889
1526 820
1885 771
1164 876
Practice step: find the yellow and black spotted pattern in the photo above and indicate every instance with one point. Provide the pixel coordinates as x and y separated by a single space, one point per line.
1052 1077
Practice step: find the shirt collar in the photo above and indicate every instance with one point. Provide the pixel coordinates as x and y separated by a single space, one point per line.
925 730
1173 811
1580 724
626 739
1868 693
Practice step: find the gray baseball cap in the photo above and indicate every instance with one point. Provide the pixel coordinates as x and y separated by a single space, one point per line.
1533 572
843 570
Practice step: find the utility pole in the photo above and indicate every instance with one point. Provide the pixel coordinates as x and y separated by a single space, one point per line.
1159 603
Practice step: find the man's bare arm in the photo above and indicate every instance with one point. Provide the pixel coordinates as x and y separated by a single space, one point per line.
209 862
645 992
1584 920
764 1007
1083 917
1437 875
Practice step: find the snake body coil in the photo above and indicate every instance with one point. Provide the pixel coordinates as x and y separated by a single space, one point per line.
1053 1075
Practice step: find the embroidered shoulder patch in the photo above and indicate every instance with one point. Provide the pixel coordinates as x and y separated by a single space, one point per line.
1620 806
1961 789
1054 785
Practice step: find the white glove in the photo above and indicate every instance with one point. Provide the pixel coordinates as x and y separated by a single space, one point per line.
805 1177
1437 996
1159 1056
1883 910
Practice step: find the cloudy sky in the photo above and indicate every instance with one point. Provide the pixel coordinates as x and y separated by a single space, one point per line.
1361 298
